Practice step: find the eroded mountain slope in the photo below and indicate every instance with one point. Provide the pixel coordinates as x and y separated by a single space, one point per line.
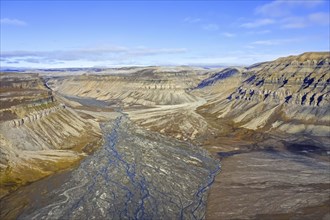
290 95
38 134
147 87
136 174
156 98
257 116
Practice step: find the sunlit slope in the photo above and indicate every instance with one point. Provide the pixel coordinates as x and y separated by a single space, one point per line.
148 87
157 98
38 135
289 94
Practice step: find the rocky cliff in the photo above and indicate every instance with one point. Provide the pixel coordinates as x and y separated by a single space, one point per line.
157 98
148 87
259 120
289 95
38 135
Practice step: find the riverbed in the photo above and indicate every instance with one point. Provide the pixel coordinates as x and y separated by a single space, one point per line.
136 174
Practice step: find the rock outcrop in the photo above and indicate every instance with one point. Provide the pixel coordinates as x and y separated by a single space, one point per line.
156 98
38 135
148 87
259 116
289 95
32 116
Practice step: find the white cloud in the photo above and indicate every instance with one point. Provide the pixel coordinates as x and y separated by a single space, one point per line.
294 22
314 19
259 32
273 42
192 20
15 22
281 8
240 57
211 27
227 34
258 23
87 54
142 51
321 18
265 42
250 47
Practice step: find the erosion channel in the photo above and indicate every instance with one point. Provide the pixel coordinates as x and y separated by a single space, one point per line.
136 174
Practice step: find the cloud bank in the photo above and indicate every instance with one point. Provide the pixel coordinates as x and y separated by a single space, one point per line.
282 8
14 22
85 54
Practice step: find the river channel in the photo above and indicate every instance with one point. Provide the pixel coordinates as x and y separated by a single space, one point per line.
136 174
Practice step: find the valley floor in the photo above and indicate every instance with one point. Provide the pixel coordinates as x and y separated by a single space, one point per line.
271 184
254 182
136 174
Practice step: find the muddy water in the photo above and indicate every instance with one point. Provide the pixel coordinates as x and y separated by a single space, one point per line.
137 174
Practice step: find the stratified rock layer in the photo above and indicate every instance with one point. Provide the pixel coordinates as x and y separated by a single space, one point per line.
289 95
38 135
254 113
155 98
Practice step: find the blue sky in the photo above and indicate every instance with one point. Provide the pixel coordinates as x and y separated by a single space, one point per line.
123 33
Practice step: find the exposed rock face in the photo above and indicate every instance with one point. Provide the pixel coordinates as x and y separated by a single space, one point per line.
219 76
147 87
258 111
282 105
49 143
156 98
23 89
289 94
33 116
38 135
